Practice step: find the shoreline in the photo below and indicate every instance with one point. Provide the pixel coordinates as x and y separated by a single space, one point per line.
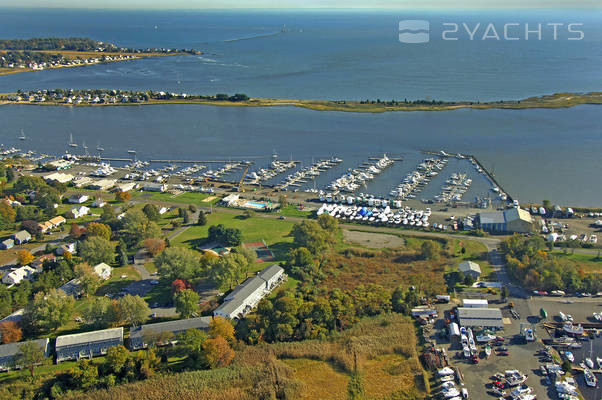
557 100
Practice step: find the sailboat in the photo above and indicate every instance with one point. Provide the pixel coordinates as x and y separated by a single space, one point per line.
22 137
71 142
99 148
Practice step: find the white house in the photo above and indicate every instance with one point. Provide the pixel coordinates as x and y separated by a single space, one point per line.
21 237
246 295
67 247
163 210
103 270
14 277
78 199
78 212
98 203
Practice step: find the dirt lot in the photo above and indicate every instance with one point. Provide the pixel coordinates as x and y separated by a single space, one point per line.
373 240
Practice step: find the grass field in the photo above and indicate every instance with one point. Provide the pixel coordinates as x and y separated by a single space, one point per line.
254 229
589 262
321 380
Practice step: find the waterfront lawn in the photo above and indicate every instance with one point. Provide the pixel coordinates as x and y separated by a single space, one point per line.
183 198
293 211
254 229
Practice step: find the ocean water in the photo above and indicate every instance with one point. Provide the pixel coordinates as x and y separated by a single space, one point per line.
325 54
535 154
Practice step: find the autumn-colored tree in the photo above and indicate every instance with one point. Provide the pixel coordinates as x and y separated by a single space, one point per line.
123 197
180 284
88 278
154 246
218 352
98 229
10 332
76 231
7 212
67 255
24 257
220 326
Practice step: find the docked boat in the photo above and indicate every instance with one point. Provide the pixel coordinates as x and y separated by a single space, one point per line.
590 378
589 362
571 329
485 338
445 371
569 356
520 392
599 362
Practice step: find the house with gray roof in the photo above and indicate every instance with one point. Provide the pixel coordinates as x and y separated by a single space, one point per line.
508 221
21 237
480 317
246 295
7 244
87 344
141 334
9 352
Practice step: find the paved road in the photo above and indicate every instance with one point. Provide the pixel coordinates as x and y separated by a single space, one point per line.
58 239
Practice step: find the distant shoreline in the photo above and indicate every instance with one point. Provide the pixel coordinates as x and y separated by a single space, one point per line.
558 100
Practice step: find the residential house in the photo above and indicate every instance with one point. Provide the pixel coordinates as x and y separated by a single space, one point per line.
139 336
10 351
21 237
57 221
67 247
7 244
98 203
78 199
15 276
44 226
78 212
72 288
88 344
103 270
38 263
246 295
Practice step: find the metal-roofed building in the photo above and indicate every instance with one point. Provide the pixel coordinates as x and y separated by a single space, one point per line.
88 344
507 221
139 335
480 317
246 295
470 268
21 237
9 351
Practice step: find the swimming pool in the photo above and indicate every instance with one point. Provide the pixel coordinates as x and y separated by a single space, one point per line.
255 204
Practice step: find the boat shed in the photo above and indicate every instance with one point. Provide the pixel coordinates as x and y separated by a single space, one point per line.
139 335
88 344
470 268
507 221
454 334
480 317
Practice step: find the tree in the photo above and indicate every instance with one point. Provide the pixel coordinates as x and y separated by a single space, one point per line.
88 278
220 326
116 359
430 250
218 352
132 310
397 300
154 246
24 257
30 355
30 226
76 231
10 332
151 211
107 216
202 221
138 227
282 200
180 284
96 250
47 311
100 313
123 197
84 375
7 214
178 263
228 270
227 236
309 234
186 302
98 229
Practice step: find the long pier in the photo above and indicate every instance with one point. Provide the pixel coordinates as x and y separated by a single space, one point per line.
486 172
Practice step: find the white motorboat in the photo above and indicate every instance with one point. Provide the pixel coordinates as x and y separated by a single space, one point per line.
445 371
589 362
569 356
590 378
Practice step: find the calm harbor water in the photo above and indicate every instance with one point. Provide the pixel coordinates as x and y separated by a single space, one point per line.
535 154
323 54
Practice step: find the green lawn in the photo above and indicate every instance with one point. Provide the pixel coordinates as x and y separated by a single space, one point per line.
588 261
183 198
293 211
161 294
273 231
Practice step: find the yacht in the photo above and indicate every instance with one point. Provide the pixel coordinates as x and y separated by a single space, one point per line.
569 356
589 362
71 142
99 148
590 378
131 151
515 378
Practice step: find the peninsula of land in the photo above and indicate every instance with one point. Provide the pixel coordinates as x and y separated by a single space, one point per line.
104 97
26 55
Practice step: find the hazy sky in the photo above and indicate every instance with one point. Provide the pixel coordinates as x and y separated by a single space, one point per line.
222 4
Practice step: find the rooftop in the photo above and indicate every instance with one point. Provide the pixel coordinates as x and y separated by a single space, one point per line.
489 317
88 337
11 349
171 326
